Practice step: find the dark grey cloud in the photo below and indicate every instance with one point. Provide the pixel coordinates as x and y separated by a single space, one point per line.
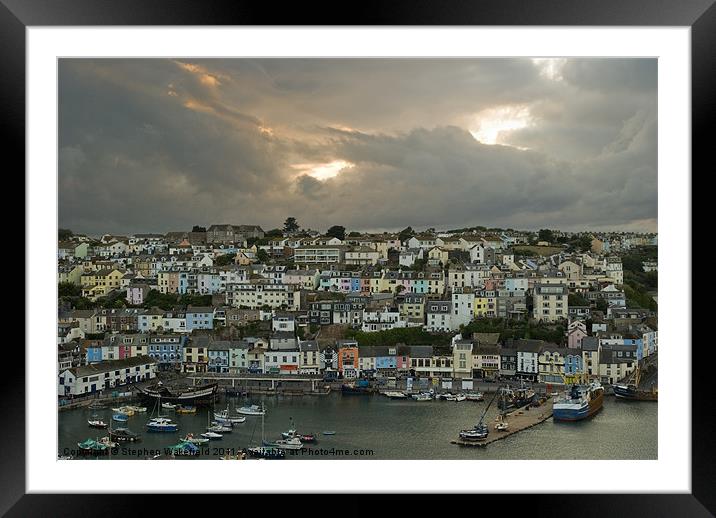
156 145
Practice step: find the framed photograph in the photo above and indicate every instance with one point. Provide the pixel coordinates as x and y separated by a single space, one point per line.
417 253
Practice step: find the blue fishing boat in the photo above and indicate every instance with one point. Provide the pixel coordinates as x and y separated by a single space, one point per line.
122 418
161 424
581 402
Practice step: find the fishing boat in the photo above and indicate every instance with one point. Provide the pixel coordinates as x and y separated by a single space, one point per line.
121 418
123 435
516 398
481 430
96 423
183 395
213 436
91 446
631 391
475 396
581 402
186 410
190 437
251 410
460 397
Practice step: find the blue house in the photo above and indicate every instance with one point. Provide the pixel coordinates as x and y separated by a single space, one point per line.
199 318
218 357
167 350
94 352
573 367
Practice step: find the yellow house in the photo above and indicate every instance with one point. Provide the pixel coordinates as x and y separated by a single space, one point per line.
438 255
100 283
480 306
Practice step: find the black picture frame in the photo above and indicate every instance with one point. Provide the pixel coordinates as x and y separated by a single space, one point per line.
700 15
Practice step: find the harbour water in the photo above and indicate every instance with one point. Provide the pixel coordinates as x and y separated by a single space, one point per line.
375 427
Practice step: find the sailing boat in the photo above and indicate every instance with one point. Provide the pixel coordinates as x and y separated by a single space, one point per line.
211 432
159 423
480 431
263 452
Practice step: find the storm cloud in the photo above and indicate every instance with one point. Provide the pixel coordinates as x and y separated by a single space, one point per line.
149 145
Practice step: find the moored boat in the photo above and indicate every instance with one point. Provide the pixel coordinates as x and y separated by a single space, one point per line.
423 396
184 448
121 418
293 443
108 442
213 436
96 423
190 437
161 424
219 428
139 409
91 446
394 394
187 396
186 410
581 402
460 397
251 410
475 396
123 435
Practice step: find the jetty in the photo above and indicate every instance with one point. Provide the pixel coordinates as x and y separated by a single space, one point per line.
518 420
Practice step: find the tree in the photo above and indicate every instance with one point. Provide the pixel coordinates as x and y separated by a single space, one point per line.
354 234
224 259
275 232
64 234
337 231
197 228
546 235
262 255
290 225
67 289
406 234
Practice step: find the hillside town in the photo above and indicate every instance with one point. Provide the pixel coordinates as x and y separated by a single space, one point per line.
475 303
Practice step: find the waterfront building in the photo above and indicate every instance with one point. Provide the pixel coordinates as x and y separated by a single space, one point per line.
88 379
348 355
462 358
309 361
550 302
485 361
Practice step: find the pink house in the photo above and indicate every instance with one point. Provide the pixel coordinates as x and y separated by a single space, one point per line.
576 331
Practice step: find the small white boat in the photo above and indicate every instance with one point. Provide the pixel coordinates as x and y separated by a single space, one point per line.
423 396
286 444
502 426
211 435
460 397
393 394
96 423
448 397
328 432
169 406
139 409
219 428
224 417
475 396
251 410
124 410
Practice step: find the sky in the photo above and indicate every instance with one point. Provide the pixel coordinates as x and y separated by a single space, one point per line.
157 145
